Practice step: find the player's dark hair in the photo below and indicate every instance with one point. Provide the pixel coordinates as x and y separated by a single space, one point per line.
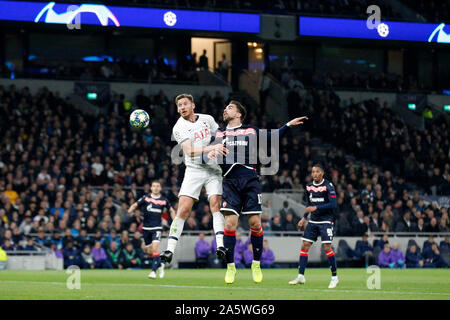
240 108
319 165
184 95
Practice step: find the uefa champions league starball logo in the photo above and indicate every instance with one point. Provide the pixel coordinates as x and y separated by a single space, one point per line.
383 30
170 18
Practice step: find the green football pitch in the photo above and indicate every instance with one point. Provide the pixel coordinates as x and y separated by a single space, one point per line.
208 284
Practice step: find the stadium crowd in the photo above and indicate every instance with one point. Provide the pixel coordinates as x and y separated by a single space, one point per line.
152 69
386 253
67 178
291 78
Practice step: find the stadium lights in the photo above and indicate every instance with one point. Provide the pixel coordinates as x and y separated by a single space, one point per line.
447 107
91 96
412 106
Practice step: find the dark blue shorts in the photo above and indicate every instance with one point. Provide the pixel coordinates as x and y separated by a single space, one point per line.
324 230
241 195
150 236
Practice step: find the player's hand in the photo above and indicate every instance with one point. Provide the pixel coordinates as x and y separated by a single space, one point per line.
220 149
301 223
297 121
212 155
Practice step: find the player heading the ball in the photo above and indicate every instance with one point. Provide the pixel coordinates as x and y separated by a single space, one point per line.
193 132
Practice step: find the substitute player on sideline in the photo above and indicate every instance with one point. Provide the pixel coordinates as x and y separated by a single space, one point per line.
241 186
194 133
154 204
321 203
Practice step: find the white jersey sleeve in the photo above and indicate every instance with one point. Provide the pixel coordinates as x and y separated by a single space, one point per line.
213 124
180 133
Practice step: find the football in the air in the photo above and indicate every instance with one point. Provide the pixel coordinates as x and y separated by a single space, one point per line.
139 119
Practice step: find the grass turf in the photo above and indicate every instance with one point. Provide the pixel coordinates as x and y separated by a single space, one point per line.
208 284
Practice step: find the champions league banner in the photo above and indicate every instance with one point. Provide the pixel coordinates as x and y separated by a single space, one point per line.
386 30
101 15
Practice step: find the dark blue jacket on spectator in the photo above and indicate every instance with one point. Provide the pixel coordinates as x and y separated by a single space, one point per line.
71 257
361 248
412 259
435 260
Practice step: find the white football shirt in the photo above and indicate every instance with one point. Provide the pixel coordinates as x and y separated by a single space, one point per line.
199 132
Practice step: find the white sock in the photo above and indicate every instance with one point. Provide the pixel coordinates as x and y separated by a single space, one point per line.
176 228
219 227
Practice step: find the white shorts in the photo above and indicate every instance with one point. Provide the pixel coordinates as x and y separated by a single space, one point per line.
195 179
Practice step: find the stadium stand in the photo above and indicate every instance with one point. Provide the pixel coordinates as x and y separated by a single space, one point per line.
68 177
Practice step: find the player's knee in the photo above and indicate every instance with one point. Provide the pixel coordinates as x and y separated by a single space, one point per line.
327 247
306 245
231 222
214 203
183 212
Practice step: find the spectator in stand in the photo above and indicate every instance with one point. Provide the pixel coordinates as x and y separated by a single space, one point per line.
383 241
276 223
29 246
398 259
129 257
364 251
203 61
100 257
202 250
267 256
114 254
445 244
87 259
428 243
70 255
432 258
385 257
413 258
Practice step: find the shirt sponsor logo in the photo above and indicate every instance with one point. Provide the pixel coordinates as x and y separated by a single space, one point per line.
155 201
200 135
237 143
316 189
240 132
317 199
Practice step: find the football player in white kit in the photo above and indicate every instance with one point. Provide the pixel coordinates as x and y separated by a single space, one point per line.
193 131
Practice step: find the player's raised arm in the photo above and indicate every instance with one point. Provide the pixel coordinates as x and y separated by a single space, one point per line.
133 207
297 121
292 123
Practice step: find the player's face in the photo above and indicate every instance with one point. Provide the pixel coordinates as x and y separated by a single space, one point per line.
317 174
156 188
231 112
185 107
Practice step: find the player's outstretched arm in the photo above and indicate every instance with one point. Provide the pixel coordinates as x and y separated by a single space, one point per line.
192 151
297 121
133 207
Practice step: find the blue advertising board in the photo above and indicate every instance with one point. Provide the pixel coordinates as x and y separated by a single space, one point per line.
385 30
96 14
